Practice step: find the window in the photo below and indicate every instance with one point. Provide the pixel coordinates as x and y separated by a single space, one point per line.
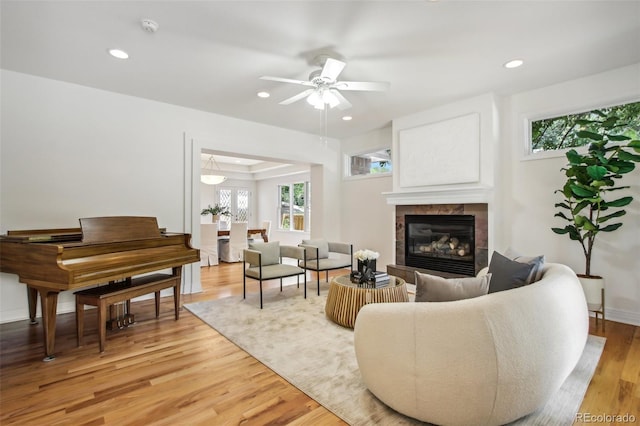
294 206
370 163
558 132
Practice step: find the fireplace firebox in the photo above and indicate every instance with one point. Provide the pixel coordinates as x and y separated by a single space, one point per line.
441 243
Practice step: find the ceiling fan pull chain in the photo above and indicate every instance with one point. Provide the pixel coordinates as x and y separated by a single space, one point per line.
325 113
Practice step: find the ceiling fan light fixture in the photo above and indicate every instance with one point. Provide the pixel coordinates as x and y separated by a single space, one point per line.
315 100
330 99
325 88
321 98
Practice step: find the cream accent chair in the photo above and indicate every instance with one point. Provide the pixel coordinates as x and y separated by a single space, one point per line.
231 249
264 262
483 361
319 257
208 244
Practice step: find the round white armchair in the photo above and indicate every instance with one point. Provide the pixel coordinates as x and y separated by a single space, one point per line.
482 361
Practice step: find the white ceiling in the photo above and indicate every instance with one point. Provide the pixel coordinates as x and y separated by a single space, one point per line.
246 168
209 55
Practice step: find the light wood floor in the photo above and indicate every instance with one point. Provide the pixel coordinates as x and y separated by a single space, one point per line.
183 372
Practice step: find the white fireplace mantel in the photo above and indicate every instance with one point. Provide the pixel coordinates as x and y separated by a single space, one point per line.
468 195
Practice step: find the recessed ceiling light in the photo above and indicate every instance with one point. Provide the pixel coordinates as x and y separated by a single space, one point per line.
263 94
514 63
117 53
347 118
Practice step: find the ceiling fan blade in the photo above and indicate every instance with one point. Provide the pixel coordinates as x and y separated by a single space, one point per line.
287 80
344 103
373 86
332 69
297 97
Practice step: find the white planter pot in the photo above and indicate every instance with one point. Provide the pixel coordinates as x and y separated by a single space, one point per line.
592 287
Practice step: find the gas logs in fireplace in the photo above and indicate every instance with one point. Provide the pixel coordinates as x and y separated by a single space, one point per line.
441 243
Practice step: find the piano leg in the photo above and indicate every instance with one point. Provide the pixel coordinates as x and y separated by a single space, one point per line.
32 298
177 272
49 303
157 296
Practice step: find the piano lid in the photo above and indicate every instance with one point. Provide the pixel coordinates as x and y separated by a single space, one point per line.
118 228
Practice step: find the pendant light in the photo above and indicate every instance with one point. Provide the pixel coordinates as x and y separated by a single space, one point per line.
209 177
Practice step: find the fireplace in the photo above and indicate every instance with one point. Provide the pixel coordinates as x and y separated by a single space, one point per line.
464 265
441 243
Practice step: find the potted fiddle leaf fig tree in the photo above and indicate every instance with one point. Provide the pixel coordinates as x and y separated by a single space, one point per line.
591 202
216 211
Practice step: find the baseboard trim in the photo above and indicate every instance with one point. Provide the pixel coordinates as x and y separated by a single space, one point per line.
625 317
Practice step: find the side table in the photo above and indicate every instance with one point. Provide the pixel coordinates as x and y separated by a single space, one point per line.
346 298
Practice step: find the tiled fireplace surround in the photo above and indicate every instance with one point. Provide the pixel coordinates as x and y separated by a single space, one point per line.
479 210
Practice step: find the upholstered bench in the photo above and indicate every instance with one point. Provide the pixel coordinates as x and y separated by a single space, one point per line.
104 296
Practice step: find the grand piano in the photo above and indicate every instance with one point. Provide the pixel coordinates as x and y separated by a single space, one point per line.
102 250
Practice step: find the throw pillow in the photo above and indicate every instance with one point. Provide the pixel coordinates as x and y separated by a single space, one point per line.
507 273
270 252
537 261
431 288
323 248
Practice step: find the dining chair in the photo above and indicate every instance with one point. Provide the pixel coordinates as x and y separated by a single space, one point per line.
208 244
231 249
257 238
266 224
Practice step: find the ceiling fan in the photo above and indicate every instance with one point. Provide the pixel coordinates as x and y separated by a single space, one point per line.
324 85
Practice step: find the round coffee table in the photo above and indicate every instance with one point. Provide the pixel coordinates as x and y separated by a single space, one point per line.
346 298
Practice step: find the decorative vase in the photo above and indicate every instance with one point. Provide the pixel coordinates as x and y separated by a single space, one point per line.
367 269
215 218
363 265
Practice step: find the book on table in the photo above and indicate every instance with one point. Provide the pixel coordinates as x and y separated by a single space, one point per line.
381 279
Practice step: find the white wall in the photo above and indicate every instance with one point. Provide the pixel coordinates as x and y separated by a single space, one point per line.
367 221
528 206
69 151
486 108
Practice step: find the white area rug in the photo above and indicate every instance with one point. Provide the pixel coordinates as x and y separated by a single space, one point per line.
293 337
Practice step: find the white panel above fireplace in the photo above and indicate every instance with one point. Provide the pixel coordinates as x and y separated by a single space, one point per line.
445 152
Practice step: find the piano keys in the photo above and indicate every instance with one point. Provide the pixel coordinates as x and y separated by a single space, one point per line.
102 250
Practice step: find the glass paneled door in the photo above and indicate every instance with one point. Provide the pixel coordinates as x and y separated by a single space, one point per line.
238 201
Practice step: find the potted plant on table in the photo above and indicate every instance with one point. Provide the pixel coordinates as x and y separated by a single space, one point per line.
216 211
590 205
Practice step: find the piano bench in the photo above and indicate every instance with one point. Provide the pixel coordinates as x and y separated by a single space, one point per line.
104 296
